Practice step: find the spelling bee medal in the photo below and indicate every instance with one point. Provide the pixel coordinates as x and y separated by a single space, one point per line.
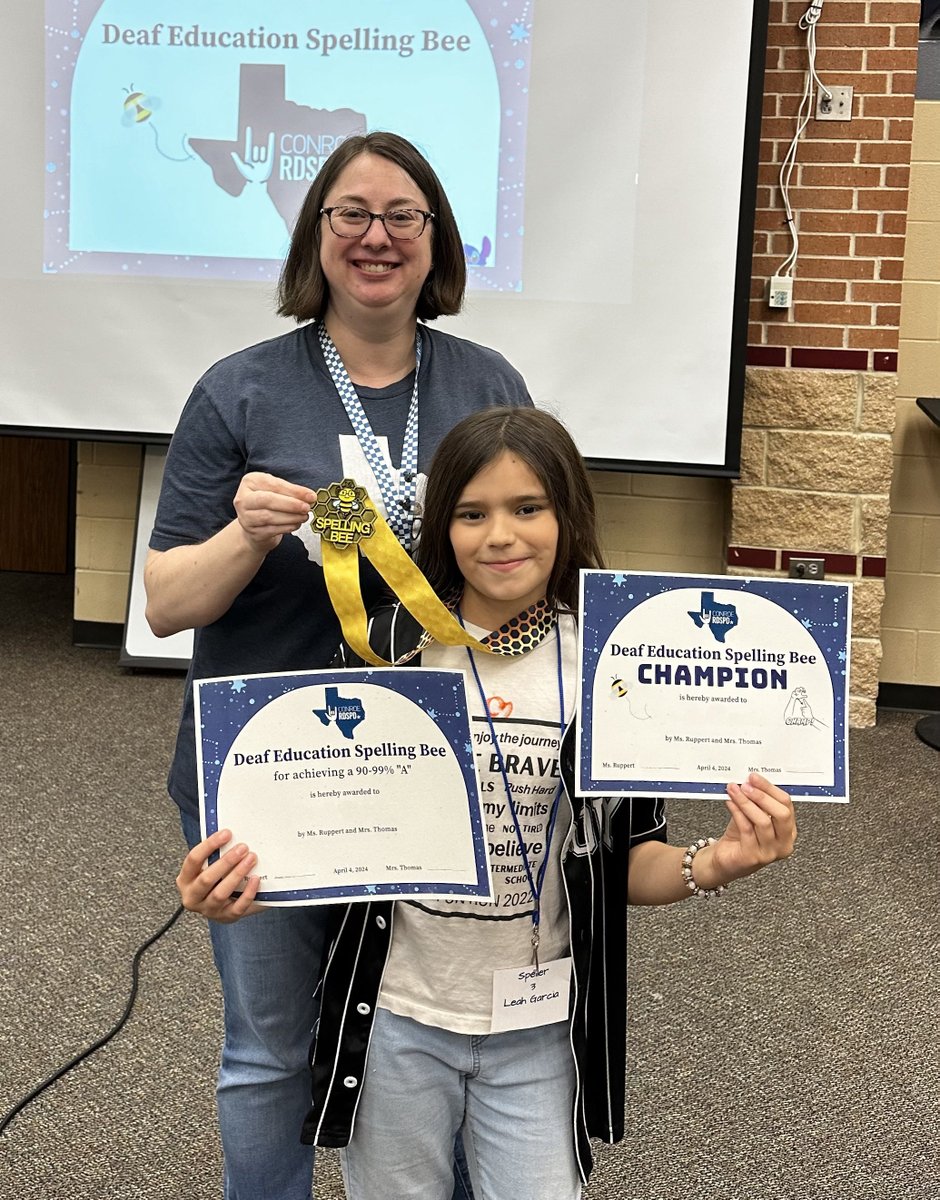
343 514
348 523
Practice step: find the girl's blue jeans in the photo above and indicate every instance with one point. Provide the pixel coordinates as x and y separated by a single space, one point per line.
269 966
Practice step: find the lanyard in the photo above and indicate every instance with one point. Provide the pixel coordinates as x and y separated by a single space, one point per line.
534 884
399 495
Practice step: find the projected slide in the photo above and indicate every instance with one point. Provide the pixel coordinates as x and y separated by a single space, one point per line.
182 135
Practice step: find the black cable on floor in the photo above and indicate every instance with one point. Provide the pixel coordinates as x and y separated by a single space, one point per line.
73 1062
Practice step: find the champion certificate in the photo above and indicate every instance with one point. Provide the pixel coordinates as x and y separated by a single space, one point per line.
690 682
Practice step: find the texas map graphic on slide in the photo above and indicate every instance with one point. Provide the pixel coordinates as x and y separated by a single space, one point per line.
280 143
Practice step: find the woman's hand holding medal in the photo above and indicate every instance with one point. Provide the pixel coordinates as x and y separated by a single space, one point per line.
268 507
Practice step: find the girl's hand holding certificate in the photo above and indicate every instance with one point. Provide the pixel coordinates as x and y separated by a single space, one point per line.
762 830
223 890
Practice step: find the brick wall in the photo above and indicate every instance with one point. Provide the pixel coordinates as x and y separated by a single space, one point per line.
819 407
849 188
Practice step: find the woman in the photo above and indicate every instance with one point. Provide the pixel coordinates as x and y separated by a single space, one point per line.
361 390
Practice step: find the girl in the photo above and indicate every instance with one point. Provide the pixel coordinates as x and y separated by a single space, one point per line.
412 1044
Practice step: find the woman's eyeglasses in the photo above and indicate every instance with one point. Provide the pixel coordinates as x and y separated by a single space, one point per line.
403 224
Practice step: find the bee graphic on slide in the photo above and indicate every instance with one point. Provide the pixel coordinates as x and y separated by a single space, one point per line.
138 109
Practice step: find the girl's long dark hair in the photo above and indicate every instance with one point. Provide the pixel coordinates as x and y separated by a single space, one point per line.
543 443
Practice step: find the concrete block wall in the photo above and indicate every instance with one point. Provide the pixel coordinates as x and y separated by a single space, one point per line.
816 471
107 489
662 522
646 523
911 619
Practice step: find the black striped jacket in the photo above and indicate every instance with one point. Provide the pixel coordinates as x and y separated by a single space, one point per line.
594 868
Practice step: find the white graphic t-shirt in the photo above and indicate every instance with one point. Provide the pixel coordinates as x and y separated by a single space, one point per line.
444 952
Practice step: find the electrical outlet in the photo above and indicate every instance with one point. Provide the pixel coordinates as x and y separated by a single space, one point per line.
808 568
837 106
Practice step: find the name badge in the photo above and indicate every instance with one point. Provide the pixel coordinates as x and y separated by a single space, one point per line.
524 997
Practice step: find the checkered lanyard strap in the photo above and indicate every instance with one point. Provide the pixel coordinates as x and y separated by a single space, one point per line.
398 494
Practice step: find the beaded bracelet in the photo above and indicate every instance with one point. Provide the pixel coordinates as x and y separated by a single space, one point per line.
687 871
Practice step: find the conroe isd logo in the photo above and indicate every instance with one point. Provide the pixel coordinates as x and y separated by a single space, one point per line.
714 615
345 712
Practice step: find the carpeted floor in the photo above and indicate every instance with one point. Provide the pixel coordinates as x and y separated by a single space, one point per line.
783 1040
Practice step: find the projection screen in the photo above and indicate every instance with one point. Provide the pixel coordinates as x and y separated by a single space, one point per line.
600 159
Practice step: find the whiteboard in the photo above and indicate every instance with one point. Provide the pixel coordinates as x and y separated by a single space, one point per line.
601 160
141 648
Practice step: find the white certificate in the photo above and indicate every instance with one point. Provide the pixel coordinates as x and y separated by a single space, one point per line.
689 682
348 785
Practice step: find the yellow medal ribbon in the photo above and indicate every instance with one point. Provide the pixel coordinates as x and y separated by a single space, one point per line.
347 523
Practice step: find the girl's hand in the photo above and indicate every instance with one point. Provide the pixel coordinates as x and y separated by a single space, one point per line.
211 889
762 830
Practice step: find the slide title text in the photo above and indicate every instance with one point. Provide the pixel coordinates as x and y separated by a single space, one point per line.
361 39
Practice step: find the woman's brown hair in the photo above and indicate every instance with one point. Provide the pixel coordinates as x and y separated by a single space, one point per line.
546 447
303 292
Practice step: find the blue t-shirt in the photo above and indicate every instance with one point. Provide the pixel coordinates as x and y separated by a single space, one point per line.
273 407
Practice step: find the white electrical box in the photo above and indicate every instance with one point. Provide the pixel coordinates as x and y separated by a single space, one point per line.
780 291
